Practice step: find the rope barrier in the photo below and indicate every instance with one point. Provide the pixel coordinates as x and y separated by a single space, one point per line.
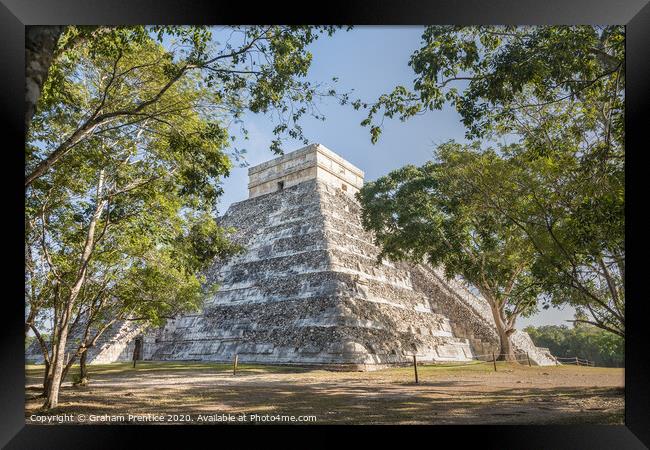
473 361
476 360
575 360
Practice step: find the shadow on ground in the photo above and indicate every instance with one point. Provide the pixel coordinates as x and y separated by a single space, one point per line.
361 398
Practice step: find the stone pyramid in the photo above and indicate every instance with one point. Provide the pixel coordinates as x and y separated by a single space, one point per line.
308 289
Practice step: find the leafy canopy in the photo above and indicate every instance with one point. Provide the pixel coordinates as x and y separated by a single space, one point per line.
438 213
148 79
556 94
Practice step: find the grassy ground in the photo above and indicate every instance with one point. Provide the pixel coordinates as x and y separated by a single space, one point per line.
180 392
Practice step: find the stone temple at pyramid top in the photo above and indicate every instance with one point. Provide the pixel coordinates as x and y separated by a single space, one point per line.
314 161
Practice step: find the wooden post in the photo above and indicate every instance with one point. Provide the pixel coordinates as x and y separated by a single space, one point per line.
494 361
137 349
528 357
415 369
577 362
234 365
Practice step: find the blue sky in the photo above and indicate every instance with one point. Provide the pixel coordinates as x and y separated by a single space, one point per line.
370 61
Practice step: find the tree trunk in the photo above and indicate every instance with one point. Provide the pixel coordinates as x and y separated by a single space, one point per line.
506 350
83 371
46 357
54 384
46 379
59 345
67 367
40 43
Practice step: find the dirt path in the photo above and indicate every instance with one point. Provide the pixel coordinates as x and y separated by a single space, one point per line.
471 395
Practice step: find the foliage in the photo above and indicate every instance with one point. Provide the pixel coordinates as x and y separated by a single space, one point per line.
438 213
585 341
576 224
496 75
138 79
556 93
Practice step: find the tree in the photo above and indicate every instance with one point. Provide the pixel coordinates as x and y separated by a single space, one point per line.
123 236
110 83
577 226
40 42
433 213
558 92
124 160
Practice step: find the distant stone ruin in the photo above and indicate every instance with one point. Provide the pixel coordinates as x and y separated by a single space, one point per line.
308 290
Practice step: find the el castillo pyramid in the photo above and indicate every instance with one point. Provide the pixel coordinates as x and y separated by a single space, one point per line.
308 289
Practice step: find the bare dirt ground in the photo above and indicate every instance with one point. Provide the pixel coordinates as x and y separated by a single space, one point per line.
207 393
